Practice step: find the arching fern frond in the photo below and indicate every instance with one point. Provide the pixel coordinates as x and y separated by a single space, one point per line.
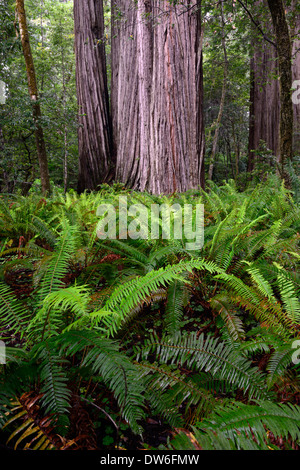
233 323
176 300
254 421
14 315
129 295
59 263
54 384
288 295
278 363
117 371
168 391
210 355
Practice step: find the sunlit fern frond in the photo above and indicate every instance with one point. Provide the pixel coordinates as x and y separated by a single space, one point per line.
59 263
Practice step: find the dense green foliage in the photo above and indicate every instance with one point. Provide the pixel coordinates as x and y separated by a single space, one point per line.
52 37
127 332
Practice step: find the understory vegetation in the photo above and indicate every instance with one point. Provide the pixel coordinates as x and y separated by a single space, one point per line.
142 344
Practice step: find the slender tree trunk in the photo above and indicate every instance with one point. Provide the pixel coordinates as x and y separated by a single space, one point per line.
222 103
33 92
157 95
284 50
94 133
65 162
236 151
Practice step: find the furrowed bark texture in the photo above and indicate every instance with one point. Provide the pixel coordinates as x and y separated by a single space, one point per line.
33 92
296 76
284 51
157 97
265 102
265 96
94 134
222 103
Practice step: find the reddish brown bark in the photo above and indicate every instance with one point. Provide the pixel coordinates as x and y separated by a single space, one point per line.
296 77
265 102
284 51
94 133
157 89
267 93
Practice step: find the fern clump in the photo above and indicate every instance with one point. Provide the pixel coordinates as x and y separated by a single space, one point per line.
132 331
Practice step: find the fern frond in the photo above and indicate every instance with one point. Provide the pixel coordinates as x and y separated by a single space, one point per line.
54 384
288 295
211 355
261 283
221 304
44 230
14 315
118 373
176 300
168 390
254 421
59 263
278 363
129 295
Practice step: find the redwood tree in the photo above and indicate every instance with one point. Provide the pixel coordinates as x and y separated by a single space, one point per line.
94 133
276 125
264 100
284 51
296 76
157 90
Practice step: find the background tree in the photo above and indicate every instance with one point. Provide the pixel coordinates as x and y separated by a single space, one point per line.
264 92
34 97
295 34
265 108
51 30
284 51
230 119
223 96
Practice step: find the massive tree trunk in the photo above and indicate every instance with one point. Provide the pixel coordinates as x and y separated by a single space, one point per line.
284 51
33 92
94 133
157 98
